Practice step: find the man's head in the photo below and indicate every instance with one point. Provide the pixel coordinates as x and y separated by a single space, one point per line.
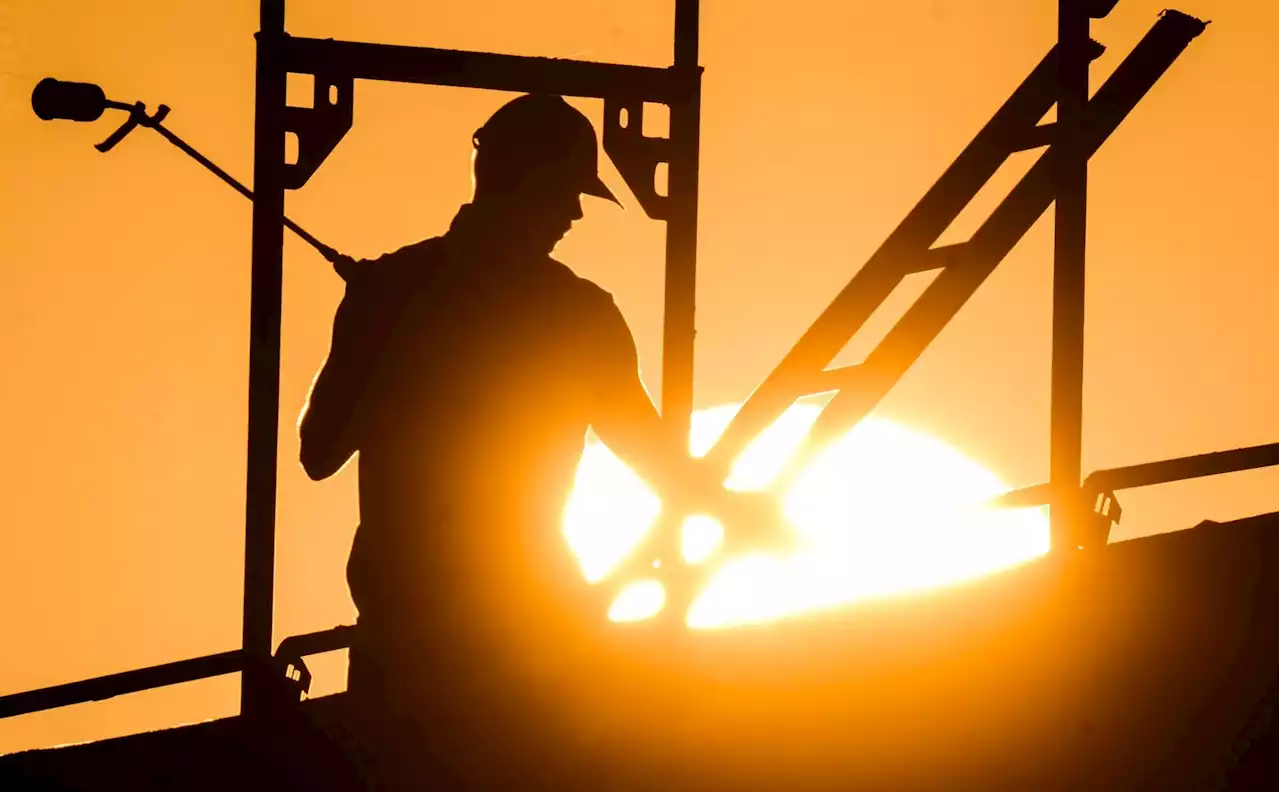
534 158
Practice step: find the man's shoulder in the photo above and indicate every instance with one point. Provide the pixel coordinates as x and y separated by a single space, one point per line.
396 271
585 290
594 313
427 252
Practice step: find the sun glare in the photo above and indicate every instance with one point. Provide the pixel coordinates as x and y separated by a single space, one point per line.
882 510
638 601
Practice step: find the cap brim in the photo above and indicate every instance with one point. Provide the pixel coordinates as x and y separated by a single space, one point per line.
597 188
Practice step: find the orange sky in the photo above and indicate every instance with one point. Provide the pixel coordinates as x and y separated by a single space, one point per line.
125 307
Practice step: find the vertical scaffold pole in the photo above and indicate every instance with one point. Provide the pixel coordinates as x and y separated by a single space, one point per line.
682 232
1068 275
264 360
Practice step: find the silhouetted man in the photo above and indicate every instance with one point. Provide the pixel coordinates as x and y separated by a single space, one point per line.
465 370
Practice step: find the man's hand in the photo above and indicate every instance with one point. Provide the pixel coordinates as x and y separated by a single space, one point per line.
626 421
343 264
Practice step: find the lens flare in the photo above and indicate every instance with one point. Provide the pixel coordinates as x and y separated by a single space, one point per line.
700 536
638 601
881 510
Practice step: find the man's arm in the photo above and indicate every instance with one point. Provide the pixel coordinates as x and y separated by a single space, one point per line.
627 422
330 426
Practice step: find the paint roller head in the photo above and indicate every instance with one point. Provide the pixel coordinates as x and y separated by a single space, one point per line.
72 101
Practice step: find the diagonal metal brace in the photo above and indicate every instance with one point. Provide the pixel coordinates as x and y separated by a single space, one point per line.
318 128
635 156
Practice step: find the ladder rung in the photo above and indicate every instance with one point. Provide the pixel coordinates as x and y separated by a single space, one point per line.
1043 134
833 379
1038 137
937 258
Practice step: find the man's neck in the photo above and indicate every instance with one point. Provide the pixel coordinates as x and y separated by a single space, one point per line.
488 231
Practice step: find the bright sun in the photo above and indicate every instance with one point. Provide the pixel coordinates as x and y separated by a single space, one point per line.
881 510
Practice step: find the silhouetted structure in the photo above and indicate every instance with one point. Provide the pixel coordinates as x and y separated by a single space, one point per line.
1149 665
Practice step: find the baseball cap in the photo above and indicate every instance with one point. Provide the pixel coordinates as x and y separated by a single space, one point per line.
543 129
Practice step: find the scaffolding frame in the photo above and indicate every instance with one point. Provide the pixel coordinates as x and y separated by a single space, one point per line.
334 66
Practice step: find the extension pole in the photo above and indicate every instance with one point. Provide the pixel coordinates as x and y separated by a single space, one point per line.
324 250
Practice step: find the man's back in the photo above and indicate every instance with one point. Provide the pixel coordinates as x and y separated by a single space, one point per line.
477 415
483 370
